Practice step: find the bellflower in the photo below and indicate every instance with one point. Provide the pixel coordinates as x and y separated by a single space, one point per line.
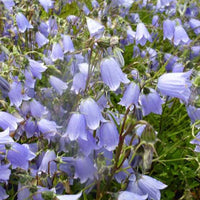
37 110
4 86
194 113
131 95
146 185
36 68
58 84
196 141
79 82
95 28
168 29
5 137
126 195
9 121
48 128
180 36
46 4
109 136
4 173
41 39
175 85
69 196
92 113
112 74
67 44
76 127
142 34
22 23
8 4
3 194
195 25
57 52
151 103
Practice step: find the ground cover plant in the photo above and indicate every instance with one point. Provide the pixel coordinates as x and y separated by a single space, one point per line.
99 99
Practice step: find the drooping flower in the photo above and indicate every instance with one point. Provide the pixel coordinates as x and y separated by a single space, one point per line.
37 110
112 74
46 4
5 137
9 121
67 44
3 194
79 82
22 23
90 109
151 102
180 36
36 68
41 39
126 195
4 85
142 34
58 84
8 4
175 85
195 25
109 136
57 52
4 173
69 196
196 141
76 127
194 113
146 185
131 95
95 28
168 29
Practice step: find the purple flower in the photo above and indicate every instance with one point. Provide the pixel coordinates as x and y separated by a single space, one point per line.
112 74
180 36
194 113
48 128
79 82
46 4
4 85
146 185
175 85
19 156
4 173
41 39
37 110
126 195
3 194
92 113
168 29
76 127
109 136
57 52
8 4
151 103
67 44
155 20
131 95
196 141
5 137
8 121
95 28
142 34
195 25
69 196
58 84
22 23
36 68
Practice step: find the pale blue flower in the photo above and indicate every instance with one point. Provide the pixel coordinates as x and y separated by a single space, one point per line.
46 4
168 29
67 44
57 52
22 23
126 195
180 36
41 39
195 25
69 196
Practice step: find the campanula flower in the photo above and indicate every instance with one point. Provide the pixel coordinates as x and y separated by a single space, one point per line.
90 109
3 193
95 28
67 44
5 137
37 110
194 113
142 34
69 196
180 36
22 23
168 29
4 85
112 74
195 25
109 136
59 85
4 172
146 185
41 39
131 95
196 141
57 52
8 4
36 68
76 127
151 102
175 85
126 195
46 4
79 82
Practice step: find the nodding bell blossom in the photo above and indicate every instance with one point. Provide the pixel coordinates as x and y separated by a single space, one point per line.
46 4
112 74
194 113
69 196
57 52
41 39
168 29
131 95
67 44
90 109
180 36
175 85
76 127
142 34
195 25
22 23
95 28
151 103
8 4
146 185
196 141
126 195
36 68
58 84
